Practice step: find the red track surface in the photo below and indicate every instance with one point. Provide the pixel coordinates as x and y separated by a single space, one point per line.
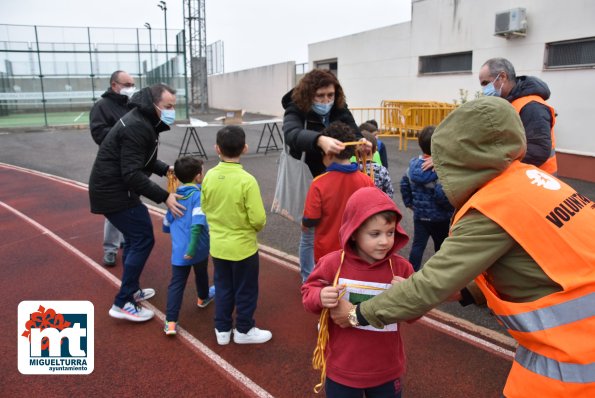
138 359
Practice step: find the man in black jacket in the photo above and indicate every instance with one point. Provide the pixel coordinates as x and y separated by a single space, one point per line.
120 176
112 105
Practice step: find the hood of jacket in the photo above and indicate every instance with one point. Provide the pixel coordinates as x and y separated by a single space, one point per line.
364 203
474 144
286 99
529 85
187 190
143 101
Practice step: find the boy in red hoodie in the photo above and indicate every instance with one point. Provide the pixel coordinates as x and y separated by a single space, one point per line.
370 236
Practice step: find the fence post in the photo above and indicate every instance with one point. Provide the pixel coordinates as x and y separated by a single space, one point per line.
45 114
91 64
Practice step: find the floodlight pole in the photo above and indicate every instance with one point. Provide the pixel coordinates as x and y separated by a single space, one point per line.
148 26
163 5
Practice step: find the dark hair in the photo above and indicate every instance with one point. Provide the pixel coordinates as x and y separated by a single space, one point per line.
114 77
368 127
370 137
425 139
187 168
158 89
387 215
497 65
303 93
231 141
342 132
373 122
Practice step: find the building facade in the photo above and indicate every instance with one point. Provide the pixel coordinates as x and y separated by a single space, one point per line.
437 56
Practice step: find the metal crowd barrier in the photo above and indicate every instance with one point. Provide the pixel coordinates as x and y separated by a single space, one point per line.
404 119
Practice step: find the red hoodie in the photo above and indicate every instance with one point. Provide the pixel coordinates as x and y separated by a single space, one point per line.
361 357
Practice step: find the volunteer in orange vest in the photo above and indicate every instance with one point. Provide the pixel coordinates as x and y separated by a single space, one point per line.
520 239
528 95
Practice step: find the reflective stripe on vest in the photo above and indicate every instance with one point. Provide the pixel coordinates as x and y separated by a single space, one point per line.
563 371
555 332
551 164
550 317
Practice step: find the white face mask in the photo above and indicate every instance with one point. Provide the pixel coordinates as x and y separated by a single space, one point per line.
128 91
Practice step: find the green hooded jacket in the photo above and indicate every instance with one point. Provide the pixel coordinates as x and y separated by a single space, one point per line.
473 145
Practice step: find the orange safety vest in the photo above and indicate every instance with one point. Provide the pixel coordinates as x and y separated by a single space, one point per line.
550 165
556 334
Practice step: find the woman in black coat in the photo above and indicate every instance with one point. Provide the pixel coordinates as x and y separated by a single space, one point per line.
316 102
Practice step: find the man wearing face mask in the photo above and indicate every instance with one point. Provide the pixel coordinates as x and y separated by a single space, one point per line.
121 175
527 94
112 105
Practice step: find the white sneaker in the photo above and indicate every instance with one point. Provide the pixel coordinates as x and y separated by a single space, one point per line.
132 312
223 337
252 336
143 294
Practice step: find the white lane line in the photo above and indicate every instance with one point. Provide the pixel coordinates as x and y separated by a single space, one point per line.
79 116
469 338
292 263
244 383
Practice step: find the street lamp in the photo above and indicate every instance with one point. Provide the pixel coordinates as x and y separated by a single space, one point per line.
148 26
163 5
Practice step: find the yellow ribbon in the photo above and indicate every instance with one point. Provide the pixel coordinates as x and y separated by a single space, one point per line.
172 182
362 160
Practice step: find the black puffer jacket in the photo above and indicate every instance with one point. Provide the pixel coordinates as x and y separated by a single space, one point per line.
105 113
302 130
536 119
126 159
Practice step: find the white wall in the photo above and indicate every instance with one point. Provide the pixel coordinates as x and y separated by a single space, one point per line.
383 63
257 90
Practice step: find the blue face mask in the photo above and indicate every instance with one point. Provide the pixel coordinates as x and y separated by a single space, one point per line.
168 116
491 91
322 109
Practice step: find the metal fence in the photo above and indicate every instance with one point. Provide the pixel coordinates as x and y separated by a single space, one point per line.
52 75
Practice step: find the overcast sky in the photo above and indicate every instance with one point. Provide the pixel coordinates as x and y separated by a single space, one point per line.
254 32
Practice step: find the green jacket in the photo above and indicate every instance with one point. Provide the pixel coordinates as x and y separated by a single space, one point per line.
474 144
232 203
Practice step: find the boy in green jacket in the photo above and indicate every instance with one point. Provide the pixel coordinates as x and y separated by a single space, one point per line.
232 203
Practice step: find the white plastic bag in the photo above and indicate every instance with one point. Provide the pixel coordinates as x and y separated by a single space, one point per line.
293 181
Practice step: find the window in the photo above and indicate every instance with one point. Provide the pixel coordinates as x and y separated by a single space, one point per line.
570 54
446 63
330 64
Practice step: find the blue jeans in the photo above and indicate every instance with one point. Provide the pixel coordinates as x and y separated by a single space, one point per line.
175 291
422 230
392 389
137 228
112 238
306 253
236 284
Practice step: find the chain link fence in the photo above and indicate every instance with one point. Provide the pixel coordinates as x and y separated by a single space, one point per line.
52 75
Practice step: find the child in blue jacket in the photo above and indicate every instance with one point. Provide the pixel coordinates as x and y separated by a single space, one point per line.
423 194
190 242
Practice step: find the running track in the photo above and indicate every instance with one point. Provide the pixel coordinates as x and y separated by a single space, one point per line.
50 248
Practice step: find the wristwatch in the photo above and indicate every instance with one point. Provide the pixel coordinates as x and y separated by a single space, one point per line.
352 317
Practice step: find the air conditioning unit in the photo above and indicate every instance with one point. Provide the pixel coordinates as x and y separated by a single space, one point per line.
511 23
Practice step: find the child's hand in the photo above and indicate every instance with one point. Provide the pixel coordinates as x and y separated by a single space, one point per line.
329 296
397 279
428 164
187 257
